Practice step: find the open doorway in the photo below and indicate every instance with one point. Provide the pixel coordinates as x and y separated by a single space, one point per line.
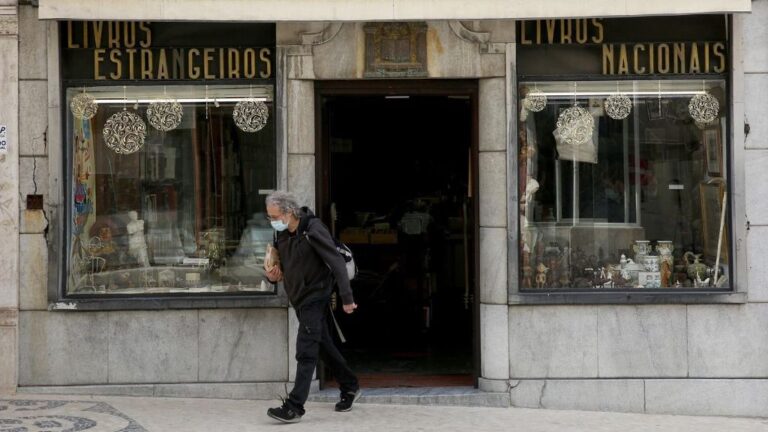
395 183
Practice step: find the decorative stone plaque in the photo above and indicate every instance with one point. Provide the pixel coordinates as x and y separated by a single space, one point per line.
395 49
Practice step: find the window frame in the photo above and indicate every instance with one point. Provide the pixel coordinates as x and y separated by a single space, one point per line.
735 293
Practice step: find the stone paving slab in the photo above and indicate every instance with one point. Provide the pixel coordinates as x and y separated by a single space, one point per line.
193 415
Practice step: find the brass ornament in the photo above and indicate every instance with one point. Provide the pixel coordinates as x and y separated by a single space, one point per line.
165 115
83 106
575 125
704 108
251 115
124 132
618 106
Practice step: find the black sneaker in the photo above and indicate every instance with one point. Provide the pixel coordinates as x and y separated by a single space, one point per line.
285 413
347 399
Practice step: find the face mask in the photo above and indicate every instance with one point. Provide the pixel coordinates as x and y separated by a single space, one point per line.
278 225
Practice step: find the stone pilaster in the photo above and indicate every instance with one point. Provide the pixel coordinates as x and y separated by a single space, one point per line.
9 197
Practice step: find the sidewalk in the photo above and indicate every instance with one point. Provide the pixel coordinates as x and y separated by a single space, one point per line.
36 413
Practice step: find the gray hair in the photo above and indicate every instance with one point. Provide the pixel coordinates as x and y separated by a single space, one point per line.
285 201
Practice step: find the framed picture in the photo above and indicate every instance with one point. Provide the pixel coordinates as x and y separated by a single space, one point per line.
712 202
713 151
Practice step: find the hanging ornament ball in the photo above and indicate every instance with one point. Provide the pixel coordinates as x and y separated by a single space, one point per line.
83 106
575 125
124 132
164 115
618 106
704 108
251 115
535 101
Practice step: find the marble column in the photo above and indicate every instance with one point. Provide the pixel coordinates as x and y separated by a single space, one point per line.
9 197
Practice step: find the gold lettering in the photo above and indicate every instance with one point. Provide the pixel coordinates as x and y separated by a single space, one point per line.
98 58
636 59
706 57
178 64
565 31
538 31
221 63
598 38
98 30
551 24
695 65
679 57
162 65
264 55
146 64
129 34
607 59
523 39
623 60
146 42
70 30
582 31
233 62
194 71
114 55
207 59
717 49
663 54
249 63
651 58
113 34
85 34
131 53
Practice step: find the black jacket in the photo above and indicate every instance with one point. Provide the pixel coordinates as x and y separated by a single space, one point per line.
311 263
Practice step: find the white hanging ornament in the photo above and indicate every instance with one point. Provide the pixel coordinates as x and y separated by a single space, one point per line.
535 101
617 106
164 115
83 106
251 115
575 125
704 108
124 132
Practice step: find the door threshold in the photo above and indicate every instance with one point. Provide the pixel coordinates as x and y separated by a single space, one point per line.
452 396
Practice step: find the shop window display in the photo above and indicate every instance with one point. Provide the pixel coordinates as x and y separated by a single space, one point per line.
623 185
167 187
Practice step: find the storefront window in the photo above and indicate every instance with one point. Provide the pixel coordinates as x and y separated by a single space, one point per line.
177 211
630 197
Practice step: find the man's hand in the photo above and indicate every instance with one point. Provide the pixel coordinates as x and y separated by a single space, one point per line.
275 274
349 308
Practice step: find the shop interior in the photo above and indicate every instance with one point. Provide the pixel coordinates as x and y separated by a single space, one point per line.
399 196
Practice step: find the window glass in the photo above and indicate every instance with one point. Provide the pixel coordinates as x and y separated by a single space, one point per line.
623 203
181 213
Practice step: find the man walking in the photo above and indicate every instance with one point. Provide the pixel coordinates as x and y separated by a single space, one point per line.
309 266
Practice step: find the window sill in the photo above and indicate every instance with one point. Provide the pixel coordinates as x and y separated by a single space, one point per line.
623 298
159 303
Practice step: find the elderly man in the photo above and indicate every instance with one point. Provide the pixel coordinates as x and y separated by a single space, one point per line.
309 266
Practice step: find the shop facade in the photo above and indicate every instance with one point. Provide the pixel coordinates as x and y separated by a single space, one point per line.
600 151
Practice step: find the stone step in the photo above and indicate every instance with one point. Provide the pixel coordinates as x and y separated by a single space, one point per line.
456 396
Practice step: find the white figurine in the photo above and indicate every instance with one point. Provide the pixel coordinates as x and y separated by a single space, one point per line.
137 245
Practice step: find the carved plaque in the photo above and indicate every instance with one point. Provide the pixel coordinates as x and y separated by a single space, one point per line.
395 49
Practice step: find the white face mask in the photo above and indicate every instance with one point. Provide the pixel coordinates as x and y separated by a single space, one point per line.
278 225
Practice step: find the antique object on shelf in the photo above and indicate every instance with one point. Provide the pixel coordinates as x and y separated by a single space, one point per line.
124 132
631 271
649 279
665 249
137 245
666 274
651 263
541 275
641 249
212 246
166 278
694 267
83 106
527 270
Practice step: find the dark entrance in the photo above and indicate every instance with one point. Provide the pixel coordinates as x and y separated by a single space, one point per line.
396 168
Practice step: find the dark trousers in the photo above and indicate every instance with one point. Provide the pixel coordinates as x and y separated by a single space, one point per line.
313 339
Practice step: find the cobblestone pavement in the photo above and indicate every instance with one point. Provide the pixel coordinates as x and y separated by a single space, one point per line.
38 413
